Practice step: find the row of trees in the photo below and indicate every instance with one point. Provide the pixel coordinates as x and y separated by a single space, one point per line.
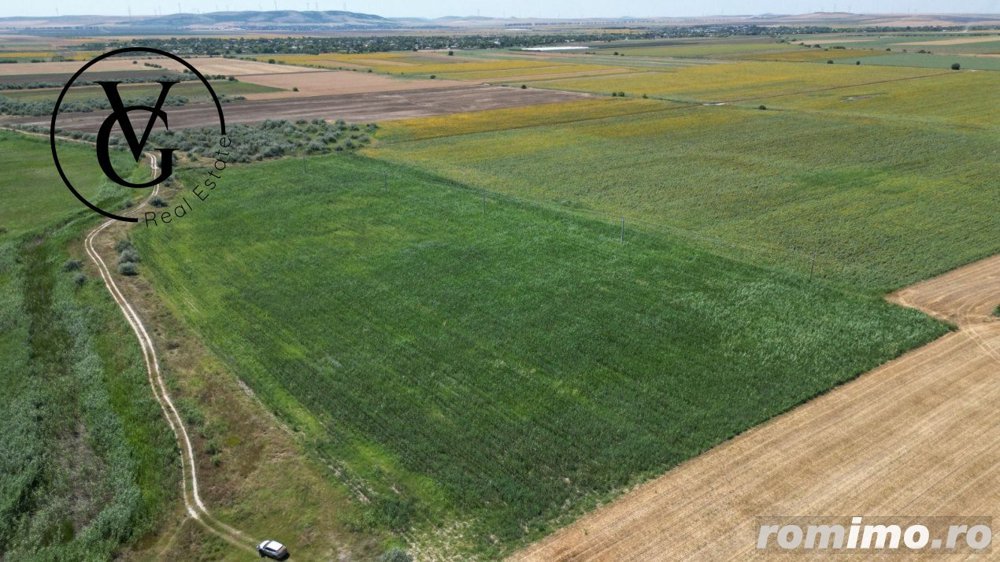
12 106
317 45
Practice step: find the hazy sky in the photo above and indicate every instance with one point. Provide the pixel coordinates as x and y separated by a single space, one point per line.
501 8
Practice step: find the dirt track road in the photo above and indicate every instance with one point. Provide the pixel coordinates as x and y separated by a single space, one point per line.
192 498
917 436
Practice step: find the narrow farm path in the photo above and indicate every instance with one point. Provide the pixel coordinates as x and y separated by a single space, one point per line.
189 481
918 436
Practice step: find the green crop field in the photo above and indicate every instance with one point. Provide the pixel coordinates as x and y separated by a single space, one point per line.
478 326
88 463
738 81
872 186
492 366
934 61
33 195
937 43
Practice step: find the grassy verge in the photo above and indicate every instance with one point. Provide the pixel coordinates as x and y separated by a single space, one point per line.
90 466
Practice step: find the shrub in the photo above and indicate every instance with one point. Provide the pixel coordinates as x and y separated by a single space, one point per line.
123 244
128 269
433 76
451 53
762 107
295 88
621 94
395 554
158 202
956 66
71 265
829 61
858 63
524 87
79 279
129 255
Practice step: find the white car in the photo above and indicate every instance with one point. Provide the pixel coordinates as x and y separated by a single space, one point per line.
272 549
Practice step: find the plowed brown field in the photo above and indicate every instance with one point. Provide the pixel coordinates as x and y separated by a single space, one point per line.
919 436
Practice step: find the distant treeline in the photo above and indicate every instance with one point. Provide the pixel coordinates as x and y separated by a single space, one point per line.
317 45
35 82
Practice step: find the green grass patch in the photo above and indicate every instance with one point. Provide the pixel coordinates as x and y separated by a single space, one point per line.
33 194
492 362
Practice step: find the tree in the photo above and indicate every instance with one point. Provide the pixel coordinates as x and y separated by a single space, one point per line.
956 66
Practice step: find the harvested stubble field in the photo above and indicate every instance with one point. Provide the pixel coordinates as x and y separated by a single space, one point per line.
230 66
364 107
333 82
455 68
192 91
916 436
70 67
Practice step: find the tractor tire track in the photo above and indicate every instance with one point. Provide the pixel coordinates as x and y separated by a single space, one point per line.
193 503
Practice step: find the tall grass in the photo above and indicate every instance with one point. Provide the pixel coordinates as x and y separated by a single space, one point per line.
88 465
